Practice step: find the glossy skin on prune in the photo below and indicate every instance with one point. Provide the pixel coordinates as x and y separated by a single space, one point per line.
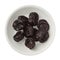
18 36
43 25
40 34
28 31
30 43
24 19
45 38
42 21
33 18
17 25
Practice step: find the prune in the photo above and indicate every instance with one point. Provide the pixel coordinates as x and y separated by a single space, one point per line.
24 19
43 25
28 31
40 34
17 25
30 43
45 38
33 18
18 36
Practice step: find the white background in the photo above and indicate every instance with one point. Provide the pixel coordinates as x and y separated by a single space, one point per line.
7 7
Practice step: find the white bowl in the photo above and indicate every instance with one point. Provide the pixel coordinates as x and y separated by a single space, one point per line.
20 47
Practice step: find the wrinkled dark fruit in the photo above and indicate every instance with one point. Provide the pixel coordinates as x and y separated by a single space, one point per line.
23 19
40 34
45 38
43 25
18 36
33 18
28 31
30 43
17 25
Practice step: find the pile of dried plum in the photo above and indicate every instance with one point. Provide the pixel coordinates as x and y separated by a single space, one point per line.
25 27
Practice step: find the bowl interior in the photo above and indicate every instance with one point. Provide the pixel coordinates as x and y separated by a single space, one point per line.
20 47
